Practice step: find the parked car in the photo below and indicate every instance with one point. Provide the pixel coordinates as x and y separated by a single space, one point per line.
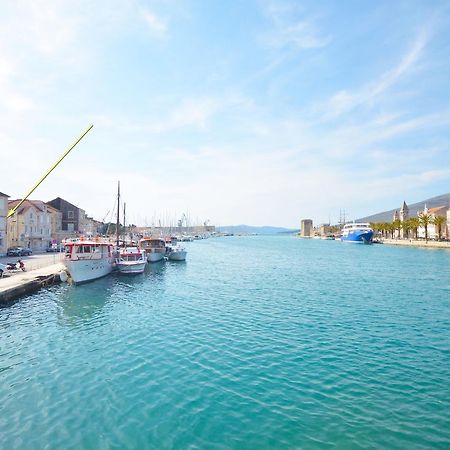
19 251
14 251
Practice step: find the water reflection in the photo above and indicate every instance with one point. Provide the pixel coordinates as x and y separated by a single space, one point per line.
81 303
90 302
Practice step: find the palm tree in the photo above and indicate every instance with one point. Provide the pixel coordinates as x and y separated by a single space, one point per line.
414 224
438 221
397 225
425 220
382 228
387 228
406 225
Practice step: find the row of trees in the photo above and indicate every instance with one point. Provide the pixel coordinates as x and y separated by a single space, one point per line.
410 225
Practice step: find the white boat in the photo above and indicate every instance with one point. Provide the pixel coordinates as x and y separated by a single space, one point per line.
154 248
88 260
176 253
131 260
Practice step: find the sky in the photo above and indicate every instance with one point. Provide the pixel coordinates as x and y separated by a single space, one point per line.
255 112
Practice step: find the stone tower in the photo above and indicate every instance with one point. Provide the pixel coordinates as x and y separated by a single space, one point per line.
404 212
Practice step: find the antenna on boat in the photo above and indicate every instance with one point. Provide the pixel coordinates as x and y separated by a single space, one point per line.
118 213
13 210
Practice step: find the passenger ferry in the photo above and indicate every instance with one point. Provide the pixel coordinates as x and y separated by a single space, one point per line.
88 260
358 233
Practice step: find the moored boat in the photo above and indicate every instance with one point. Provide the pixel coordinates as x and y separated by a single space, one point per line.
357 233
154 248
131 260
88 260
176 253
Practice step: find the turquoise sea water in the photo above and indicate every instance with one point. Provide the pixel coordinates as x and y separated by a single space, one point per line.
253 343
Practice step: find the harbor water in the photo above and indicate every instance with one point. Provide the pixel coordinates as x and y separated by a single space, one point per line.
254 343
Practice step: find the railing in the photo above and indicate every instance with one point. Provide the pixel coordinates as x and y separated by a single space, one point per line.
43 261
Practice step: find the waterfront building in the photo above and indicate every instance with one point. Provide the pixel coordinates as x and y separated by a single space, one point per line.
74 220
404 212
403 216
3 227
325 229
432 229
70 214
447 225
55 224
30 225
88 226
396 218
306 228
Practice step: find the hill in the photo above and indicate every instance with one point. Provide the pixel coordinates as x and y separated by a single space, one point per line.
247 229
386 216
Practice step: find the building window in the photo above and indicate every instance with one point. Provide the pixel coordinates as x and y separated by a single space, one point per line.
70 215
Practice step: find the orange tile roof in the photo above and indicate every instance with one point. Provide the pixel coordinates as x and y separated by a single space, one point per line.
38 204
439 209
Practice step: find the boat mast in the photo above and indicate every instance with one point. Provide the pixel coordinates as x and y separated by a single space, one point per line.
118 214
124 227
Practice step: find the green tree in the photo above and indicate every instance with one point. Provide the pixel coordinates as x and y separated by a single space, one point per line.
397 226
438 221
425 220
414 223
406 225
385 228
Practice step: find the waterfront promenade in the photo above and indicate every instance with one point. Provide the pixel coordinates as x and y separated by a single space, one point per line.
41 270
417 243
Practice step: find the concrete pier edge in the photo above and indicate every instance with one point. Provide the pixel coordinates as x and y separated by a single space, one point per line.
20 286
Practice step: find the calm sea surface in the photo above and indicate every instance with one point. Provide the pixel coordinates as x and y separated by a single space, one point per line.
253 343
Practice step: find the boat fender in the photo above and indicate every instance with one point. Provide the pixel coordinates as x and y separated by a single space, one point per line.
63 276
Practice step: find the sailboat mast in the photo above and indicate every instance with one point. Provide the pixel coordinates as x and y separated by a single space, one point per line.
118 214
124 226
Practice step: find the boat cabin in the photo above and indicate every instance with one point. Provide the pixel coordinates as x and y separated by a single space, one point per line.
88 250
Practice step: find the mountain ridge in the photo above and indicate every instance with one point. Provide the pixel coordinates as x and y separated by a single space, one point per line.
414 208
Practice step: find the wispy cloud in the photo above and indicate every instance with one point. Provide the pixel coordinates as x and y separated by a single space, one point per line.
345 101
292 28
156 24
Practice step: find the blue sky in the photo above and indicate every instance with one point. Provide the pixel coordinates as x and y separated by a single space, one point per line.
257 112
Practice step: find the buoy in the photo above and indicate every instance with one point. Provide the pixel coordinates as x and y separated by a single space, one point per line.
63 276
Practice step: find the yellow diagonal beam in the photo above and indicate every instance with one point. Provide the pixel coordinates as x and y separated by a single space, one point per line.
13 210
